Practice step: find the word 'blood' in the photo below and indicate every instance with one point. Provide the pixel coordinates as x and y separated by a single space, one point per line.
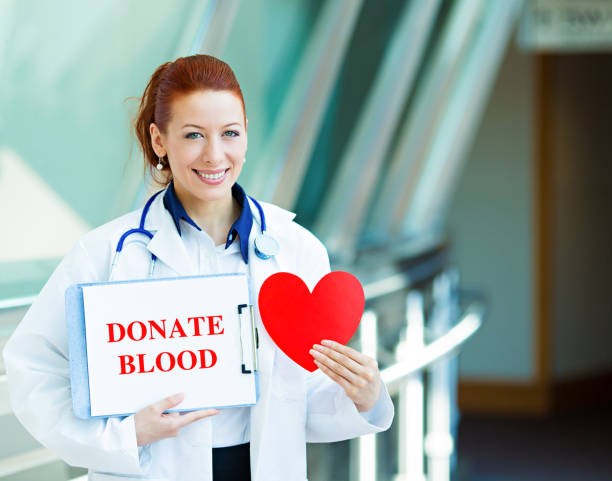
166 361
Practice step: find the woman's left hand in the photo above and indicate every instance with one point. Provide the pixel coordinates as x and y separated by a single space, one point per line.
356 373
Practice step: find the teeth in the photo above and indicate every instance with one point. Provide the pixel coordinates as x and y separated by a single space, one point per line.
211 176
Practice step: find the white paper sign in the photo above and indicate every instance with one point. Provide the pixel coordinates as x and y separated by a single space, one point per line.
150 339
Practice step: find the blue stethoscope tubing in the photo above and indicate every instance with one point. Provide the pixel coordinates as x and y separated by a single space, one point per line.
266 246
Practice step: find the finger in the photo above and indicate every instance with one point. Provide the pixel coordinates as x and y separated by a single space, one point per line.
335 366
347 351
343 359
192 416
348 388
168 402
365 367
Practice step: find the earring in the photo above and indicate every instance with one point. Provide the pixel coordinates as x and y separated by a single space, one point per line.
244 160
159 165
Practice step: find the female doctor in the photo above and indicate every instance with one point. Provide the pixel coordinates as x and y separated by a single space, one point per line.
192 129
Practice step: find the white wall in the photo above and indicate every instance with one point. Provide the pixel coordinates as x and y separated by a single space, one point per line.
490 222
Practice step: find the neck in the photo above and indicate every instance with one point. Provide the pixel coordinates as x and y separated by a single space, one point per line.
215 217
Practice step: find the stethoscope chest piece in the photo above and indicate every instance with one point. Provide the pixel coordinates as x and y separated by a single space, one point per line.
266 246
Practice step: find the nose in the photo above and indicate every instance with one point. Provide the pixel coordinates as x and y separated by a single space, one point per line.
213 152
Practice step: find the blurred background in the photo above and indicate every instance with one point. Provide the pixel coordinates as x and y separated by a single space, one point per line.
453 154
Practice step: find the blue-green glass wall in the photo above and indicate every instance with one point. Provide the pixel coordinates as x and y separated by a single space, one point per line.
67 152
266 43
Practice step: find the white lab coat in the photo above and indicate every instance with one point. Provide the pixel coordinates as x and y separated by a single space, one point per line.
295 406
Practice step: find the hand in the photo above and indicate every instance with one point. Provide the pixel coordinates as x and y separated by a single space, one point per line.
152 424
356 373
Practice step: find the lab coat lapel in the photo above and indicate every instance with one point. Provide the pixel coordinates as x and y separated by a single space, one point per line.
260 270
166 243
168 247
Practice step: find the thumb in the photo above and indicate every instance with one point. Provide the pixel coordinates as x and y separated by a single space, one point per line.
168 402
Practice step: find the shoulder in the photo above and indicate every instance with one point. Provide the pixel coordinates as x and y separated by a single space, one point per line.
110 231
90 256
284 225
301 251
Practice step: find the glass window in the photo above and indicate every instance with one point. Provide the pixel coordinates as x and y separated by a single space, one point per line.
67 158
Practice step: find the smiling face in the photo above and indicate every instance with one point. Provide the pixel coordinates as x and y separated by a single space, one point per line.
205 141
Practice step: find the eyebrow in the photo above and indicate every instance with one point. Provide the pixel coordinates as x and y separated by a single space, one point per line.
202 128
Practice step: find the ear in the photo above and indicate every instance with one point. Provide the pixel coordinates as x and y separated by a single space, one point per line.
157 142
245 130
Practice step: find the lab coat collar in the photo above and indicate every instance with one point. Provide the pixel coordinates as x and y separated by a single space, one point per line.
176 209
166 243
241 228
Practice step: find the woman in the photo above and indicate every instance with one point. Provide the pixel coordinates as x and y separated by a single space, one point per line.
192 128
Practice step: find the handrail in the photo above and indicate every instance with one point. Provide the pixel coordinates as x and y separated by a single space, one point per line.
397 281
372 290
5 405
393 376
28 460
16 302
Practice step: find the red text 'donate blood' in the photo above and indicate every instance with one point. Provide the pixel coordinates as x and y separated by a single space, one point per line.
163 330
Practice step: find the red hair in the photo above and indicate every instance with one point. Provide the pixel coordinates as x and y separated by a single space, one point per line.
169 81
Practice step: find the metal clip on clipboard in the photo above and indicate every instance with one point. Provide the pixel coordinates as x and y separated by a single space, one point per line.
248 332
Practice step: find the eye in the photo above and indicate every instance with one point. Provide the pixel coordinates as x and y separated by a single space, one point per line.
193 135
233 133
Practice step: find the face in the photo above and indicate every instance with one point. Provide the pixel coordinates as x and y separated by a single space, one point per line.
206 142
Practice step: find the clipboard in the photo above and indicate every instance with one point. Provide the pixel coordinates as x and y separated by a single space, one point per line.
193 334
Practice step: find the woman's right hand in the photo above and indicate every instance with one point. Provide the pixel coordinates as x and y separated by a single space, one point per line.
152 424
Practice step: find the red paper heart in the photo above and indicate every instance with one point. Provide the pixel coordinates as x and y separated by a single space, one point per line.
295 319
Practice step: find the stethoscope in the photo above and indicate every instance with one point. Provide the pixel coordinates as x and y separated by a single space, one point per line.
265 245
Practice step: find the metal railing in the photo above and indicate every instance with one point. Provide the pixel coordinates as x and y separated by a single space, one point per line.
426 346
421 437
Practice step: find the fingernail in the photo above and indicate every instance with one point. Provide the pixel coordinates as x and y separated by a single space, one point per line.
327 342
